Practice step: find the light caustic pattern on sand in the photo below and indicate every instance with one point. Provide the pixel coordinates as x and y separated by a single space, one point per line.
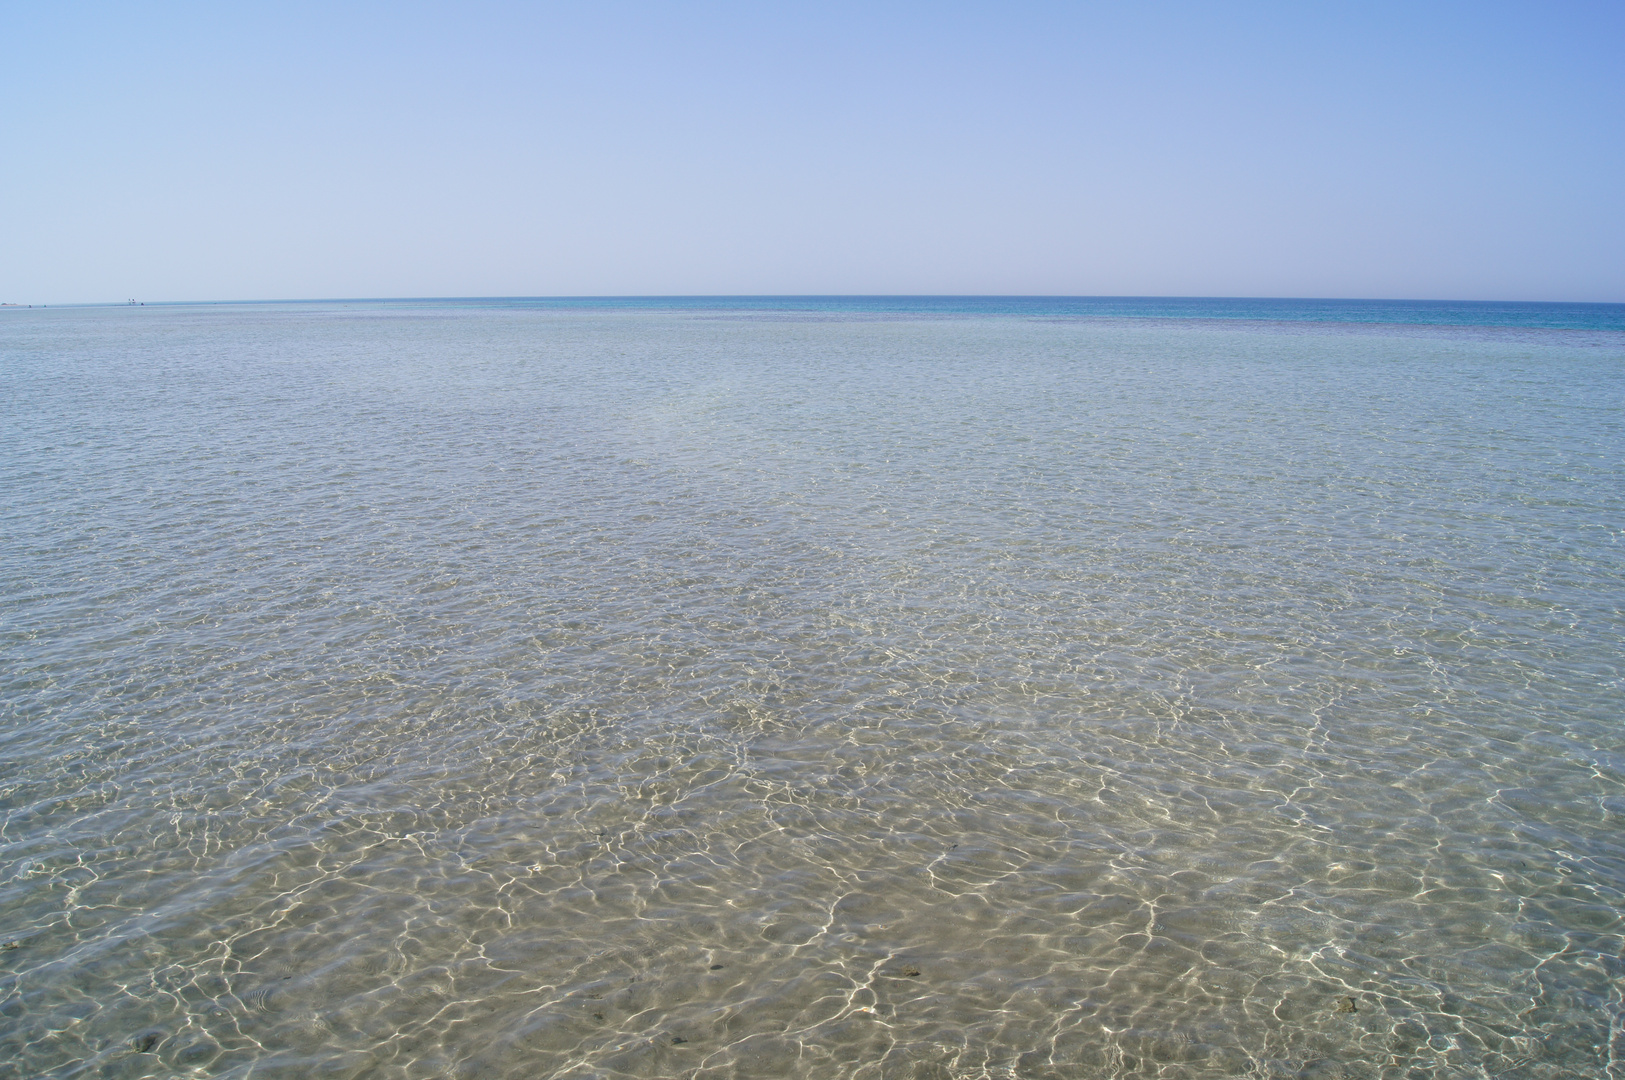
449 691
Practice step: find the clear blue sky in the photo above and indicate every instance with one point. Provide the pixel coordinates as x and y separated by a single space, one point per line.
256 150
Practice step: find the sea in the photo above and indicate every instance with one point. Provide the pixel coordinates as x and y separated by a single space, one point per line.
885 688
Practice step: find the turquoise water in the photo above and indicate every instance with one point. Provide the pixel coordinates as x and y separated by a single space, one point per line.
812 688
1414 313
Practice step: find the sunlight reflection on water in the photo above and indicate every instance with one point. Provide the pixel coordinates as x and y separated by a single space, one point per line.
420 691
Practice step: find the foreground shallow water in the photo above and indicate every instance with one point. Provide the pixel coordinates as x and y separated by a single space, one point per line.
495 691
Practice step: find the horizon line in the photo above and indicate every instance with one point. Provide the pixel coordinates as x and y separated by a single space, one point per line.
801 296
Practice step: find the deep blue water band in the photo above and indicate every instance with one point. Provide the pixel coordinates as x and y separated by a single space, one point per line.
1461 313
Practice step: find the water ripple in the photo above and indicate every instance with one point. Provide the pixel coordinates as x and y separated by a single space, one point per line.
647 694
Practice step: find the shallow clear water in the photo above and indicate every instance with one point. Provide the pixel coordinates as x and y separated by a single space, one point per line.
506 690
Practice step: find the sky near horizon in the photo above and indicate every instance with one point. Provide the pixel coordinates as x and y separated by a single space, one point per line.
171 151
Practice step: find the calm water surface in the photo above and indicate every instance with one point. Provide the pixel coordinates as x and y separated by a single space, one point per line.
510 690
